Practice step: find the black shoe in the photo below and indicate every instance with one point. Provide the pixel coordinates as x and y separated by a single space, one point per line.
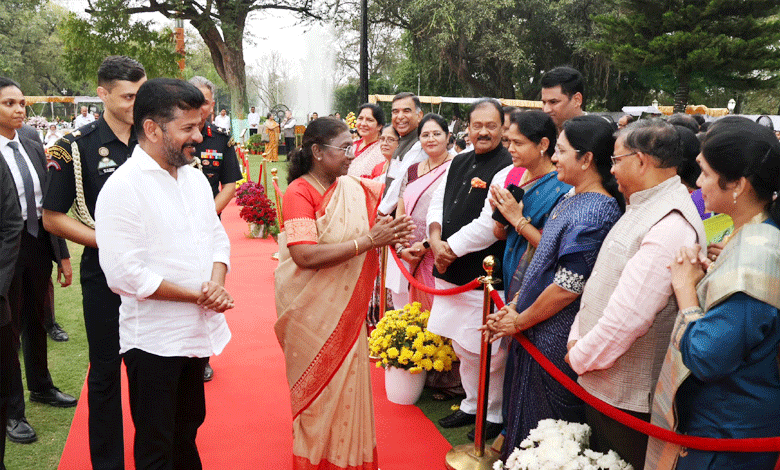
20 431
208 373
457 419
57 333
54 397
492 430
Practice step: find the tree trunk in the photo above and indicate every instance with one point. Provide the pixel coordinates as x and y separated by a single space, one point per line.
681 96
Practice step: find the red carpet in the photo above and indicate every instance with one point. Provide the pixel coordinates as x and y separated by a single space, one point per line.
248 420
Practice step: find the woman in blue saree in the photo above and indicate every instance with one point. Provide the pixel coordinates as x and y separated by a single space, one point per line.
545 304
532 146
720 376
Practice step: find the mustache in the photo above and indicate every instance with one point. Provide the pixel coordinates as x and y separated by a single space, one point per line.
484 138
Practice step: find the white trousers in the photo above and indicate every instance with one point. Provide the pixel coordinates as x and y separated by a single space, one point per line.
469 376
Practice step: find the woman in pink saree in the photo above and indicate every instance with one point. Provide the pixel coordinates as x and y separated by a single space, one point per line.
327 265
417 189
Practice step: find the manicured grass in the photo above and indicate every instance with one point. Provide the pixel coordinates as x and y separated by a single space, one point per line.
68 365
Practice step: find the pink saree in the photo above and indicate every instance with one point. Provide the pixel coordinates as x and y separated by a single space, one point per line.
321 328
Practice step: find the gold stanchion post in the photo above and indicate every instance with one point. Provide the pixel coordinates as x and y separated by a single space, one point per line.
477 457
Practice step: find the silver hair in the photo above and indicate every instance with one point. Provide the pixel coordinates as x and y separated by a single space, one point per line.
200 82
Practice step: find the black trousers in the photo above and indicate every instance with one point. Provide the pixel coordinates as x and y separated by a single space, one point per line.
9 360
168 405
608 434
27 298
252 131
289 144
104 387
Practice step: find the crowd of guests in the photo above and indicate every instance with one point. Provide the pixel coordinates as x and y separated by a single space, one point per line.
606 268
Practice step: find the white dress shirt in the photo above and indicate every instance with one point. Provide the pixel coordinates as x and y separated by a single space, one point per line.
82 120
152 227
8 154
396 172
477 234
223 122
252 120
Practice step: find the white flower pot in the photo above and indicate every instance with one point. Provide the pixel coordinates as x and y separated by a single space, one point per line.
403 387
256 230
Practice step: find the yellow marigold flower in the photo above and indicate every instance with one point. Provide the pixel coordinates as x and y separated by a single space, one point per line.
417 356
418 343
379 364
429 350
406 353
438 365
412 330
415 370
426 364
392 353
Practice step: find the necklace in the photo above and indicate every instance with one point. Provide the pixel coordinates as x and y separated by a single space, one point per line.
428 164
558 210
324 190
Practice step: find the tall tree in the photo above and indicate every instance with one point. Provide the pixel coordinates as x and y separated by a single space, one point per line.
88 42
221 24
729 43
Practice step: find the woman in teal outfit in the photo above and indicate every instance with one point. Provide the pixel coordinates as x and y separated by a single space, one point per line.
721 371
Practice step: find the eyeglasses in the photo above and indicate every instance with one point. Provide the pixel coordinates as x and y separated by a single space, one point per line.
491 126
616 158
348 151
389 140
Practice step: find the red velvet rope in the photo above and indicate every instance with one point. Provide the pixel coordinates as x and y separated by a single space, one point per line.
430 290
761 444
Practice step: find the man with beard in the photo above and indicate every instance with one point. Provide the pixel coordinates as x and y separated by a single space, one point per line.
173 296
460 232
81 162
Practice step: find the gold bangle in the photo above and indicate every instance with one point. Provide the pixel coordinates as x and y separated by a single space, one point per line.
372 240
357 251
515 323
521 224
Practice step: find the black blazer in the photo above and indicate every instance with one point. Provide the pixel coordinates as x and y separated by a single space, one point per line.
11 226
35 151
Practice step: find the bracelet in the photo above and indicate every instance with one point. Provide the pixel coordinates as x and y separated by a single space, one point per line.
517 327
521 224
398 249
372 240
357 251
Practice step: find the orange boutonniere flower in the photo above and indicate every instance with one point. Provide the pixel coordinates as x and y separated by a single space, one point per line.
477 183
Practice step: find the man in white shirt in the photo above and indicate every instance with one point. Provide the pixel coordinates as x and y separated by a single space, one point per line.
223 120
253 121
173 296
83 119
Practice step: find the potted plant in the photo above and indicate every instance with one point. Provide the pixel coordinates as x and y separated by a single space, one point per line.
257 209
255 145
405 348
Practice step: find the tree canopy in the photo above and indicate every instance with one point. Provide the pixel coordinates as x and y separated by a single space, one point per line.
728 43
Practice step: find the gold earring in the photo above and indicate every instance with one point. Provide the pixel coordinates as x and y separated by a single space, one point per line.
584 167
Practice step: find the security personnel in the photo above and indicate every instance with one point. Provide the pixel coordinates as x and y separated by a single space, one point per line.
80 164
216 157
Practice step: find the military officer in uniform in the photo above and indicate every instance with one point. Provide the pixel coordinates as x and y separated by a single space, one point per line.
216 157
80 164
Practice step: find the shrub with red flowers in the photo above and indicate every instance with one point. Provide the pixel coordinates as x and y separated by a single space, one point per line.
257 208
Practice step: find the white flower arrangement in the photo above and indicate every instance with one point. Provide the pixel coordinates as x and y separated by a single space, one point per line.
559 445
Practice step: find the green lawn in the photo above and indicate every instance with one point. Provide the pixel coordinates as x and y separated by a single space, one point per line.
68 365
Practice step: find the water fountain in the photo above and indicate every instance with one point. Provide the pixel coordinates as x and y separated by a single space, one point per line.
312 88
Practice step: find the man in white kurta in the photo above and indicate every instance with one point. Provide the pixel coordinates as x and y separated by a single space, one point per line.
165 252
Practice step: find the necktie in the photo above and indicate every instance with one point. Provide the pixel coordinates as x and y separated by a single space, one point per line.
29 189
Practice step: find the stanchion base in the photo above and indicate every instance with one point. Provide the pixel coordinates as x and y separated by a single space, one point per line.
464 458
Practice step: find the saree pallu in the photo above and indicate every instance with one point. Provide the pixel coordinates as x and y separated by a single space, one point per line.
417 197
750 264
539 198
321 329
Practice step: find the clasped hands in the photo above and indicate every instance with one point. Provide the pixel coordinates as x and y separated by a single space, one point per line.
443 256
390 231
501 323
688 268
504 201
214 297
